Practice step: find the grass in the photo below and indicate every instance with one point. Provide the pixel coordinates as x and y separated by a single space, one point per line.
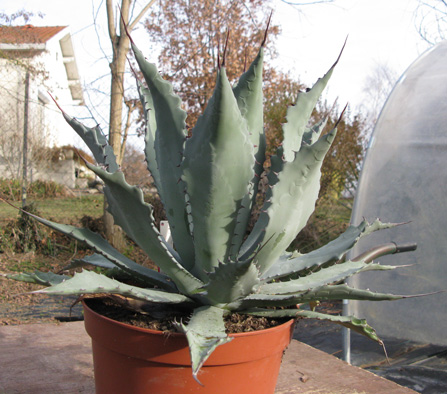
27 265
59 209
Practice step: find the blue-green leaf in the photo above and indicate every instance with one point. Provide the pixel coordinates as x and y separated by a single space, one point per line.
351 322
89 282
169 143
96 142
231 281
205 331
321 293
149 134
326 275
134 216
312 134
218 169
299 114
100 245
39 278
290 204
249 96
95 259
292 263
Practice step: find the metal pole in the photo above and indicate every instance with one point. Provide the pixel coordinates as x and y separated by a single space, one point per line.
25 140
346 335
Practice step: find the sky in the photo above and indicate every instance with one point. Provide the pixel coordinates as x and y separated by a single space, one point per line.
378 32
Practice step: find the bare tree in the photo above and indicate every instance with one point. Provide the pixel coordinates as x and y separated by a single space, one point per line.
11 19
117 133
431 20
376 89
135 168
304 3
120 48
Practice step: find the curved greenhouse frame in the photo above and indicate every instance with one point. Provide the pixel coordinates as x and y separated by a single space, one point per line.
404 179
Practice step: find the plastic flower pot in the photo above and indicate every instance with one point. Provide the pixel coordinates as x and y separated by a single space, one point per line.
133 360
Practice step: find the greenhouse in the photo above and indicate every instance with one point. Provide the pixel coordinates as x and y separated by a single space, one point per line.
404 179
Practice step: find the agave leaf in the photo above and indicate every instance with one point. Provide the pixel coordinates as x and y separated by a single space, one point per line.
257 234
380 267
149 135
217 168
242 219
322 293
358 325
312 134
204 332
231 281
276 165
95 259
297 190
168 146
134 216
343 291
96 142
351 322
249 96
100 245
89 282
324 276
299 114
112 270
39 278
334 250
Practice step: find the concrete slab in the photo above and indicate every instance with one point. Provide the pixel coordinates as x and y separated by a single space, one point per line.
45 358
56 359
307 370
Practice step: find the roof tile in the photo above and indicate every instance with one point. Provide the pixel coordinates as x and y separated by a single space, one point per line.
28 34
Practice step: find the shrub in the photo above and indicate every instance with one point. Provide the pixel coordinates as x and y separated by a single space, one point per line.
11 189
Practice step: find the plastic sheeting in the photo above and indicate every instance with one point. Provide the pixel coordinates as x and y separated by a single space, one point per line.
404 179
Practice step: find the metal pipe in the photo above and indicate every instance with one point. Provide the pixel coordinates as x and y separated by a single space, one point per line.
382 250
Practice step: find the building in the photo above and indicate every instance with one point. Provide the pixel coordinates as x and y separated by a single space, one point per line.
33 62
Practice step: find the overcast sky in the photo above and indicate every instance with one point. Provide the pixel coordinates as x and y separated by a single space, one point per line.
379 32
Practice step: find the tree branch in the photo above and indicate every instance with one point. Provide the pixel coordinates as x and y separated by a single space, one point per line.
111 21
311 2
140 15
130 104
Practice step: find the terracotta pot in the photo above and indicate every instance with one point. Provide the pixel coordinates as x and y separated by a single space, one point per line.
133 360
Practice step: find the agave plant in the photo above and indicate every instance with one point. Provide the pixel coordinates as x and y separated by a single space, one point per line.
208 184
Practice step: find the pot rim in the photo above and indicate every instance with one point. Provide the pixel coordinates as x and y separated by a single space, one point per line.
180 334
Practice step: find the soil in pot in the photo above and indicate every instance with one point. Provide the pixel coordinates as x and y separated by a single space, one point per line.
234 322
